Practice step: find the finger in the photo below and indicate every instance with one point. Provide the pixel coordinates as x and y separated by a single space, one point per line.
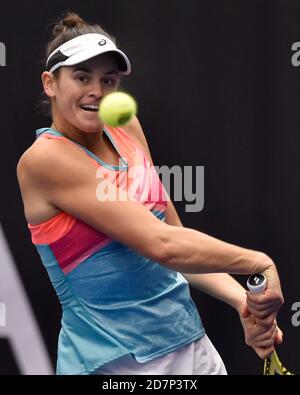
264 352
264 344
268 314
263 315
267 301
244 312
257 338
266 341
266 321
257 298
257 304
279 336
261 309
264 298
262 306
259 334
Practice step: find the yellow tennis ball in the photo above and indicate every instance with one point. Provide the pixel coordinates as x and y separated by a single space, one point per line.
117 109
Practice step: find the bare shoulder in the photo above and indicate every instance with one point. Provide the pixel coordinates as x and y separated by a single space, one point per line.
28 161
31 170
48 165
45 155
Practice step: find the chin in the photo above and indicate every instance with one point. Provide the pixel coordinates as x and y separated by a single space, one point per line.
90 127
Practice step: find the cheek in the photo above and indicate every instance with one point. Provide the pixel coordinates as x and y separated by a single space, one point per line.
68 94
68 99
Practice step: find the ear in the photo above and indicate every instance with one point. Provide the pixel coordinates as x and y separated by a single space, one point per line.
49 83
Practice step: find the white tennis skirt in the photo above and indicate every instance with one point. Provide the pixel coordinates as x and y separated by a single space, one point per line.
199 358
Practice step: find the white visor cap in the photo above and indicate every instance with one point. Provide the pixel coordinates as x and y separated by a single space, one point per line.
84 47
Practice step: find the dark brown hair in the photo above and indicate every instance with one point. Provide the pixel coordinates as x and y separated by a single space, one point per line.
69 26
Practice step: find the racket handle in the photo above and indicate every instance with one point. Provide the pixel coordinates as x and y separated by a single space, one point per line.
257 283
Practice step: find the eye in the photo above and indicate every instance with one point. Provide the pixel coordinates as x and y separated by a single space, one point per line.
81 78
110 81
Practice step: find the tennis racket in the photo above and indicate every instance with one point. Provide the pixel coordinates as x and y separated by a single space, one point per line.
272 365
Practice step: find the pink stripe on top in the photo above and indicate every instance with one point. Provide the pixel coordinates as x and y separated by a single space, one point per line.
78 244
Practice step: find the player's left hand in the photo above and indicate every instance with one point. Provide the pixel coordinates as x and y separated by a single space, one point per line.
260 338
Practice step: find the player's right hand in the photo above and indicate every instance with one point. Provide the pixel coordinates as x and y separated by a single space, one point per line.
264 307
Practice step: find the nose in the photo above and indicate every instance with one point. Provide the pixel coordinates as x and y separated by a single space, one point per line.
96 90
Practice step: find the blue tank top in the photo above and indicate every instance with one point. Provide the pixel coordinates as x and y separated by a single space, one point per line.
114 301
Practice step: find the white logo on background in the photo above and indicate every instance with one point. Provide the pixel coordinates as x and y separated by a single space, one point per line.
296 315
2 54
2 314
295 58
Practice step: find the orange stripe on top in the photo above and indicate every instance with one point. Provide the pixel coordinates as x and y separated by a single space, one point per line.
51 230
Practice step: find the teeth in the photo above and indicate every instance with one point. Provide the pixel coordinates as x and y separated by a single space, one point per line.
89 107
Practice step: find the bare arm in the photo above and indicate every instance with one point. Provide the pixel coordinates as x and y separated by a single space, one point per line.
224 287
68 180
219 285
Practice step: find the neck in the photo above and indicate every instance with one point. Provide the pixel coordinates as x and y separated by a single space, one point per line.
91 141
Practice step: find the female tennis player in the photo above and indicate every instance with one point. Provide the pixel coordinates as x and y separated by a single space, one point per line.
121 268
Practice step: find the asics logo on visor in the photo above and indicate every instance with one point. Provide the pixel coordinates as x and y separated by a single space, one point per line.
102 42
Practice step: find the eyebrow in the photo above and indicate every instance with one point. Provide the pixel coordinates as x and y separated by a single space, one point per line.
89 71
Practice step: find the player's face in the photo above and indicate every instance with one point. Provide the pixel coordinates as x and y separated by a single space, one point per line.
79 90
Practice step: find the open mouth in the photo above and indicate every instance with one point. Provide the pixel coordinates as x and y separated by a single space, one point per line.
89 107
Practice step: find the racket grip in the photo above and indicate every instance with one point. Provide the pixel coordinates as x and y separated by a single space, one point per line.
257 283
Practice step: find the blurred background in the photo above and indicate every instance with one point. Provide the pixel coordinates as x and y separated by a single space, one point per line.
216 87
